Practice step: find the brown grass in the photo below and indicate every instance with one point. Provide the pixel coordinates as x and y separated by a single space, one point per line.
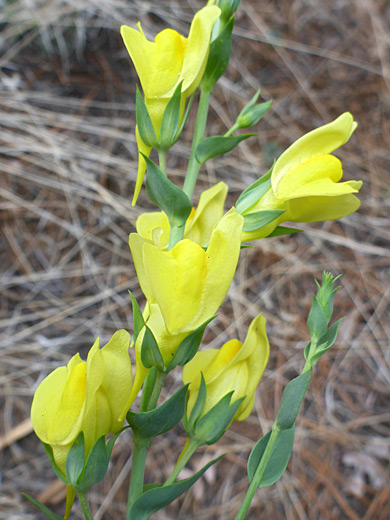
68 165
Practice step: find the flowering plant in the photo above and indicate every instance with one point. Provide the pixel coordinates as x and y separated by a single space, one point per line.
185 259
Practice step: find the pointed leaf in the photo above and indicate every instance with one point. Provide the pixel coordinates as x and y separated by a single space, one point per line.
138 320
198 407
259 219
186 114
282 230
166 195
317 322
96 466
278 459
144 123
217 145
254 192
326 342
49 453
219 55
161 419
155 499
150 353
170 120
43 508
291 400
189 346
75 460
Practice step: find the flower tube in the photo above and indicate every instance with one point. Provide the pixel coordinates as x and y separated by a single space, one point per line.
305 180
165 62
85 396
235 367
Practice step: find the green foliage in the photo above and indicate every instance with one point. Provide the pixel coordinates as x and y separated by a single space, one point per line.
277 461
155 499
150 353
282 230
161 419
189 346
219 56
43 508
251 114
259 219
74 464
57 471
170 121
166 195
217 145
254 192
138 320
291 401
144 123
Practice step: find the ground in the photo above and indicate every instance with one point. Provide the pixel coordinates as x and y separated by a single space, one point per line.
68 166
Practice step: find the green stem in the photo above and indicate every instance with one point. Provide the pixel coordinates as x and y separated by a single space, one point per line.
200 126
162 156
161 376
231 130
186 454
176 234
257 476
83 498
137 471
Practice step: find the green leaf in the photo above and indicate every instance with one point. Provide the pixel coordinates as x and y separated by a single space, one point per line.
259 219
75 460
210 428
317 322
155 499
282 230
219 56
181 127
217 145
278 459
144 123
166 195
291 400
57 471
170 120
198 407
254 192
138 320
96 466
228 8
161 419
188 347
43 508
150 353
325 342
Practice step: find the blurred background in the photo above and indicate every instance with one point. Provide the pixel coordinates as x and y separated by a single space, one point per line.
68 165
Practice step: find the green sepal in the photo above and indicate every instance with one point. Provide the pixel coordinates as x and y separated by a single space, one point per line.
75 460
282 230
317 322
210 428
97 462
170 121
138 319
43 508
291 401
254 192
278 459
197 409
148 387
57 471
228 8
155 499
259 219
144 123
324 343
166 195
150 353
188 347
161 419
219 55
217 145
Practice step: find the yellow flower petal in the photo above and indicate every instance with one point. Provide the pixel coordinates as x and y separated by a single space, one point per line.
316 209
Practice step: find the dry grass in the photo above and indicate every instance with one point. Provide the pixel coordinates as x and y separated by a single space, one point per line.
68 165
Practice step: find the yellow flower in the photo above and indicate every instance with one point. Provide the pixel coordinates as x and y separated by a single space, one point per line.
235 367
163 63
305 180
91 396
188 283
199 224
